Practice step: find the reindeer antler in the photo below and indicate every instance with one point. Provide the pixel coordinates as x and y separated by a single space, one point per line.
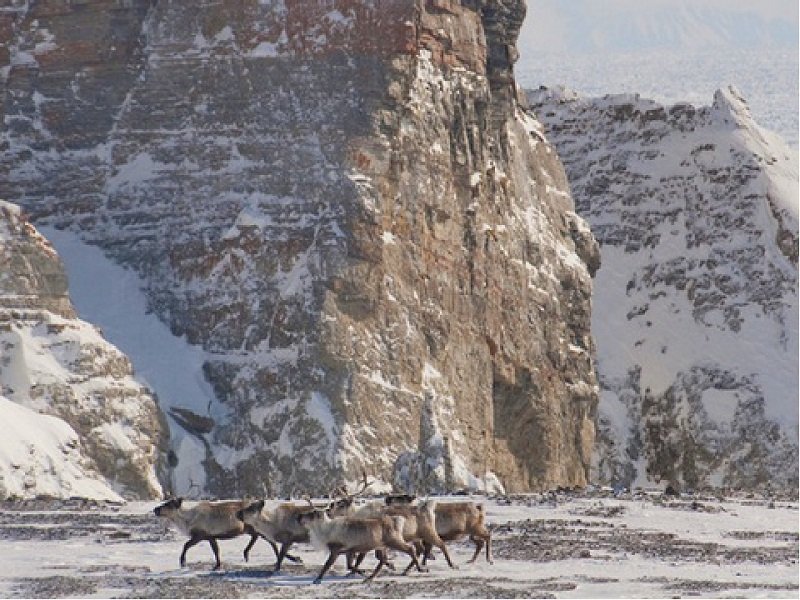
364 483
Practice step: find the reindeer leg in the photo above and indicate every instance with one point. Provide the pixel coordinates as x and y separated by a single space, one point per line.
215 548
253 538
281 555
193 541
274 547
478 545
441 545
409 549
293 558
335 550
427 553
381 556
489 548
354 562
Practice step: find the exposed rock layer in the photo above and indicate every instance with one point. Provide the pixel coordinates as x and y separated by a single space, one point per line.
696 304
343 204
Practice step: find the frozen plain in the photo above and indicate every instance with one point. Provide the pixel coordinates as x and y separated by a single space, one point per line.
582 545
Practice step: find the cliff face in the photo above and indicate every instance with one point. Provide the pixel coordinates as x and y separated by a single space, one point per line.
78 423
696 304
343 204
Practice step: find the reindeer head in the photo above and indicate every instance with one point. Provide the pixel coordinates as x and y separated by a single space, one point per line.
401 499
168 508
313 516
343 500
248 513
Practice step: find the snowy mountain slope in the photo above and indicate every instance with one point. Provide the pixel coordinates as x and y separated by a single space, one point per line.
40 455
164 362
695 306
82 425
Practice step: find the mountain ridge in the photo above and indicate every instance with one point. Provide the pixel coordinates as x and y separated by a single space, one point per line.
695 209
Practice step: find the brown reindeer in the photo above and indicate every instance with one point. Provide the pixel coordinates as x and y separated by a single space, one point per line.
209 521
454 520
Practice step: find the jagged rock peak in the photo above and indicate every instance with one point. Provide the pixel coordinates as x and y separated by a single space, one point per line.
344 206
696 309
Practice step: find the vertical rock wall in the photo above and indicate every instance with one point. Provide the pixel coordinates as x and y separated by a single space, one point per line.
343 204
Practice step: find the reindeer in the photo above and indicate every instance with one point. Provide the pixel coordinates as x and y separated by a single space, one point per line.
209 521
351 535
280 525
454 520
419 525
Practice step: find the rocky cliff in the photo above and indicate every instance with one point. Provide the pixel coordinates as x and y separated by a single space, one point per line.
342 203
77 423
696 310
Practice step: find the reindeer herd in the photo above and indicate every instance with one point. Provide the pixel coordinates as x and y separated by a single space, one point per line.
397 522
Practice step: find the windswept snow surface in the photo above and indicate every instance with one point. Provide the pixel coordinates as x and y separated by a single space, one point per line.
545 546
111 297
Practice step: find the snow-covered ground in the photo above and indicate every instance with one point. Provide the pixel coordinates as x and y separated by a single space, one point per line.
556 545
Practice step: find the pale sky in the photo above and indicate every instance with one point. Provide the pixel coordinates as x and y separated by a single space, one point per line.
630 25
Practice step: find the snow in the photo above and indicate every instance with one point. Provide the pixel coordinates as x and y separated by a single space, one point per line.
645 310
720 405
319 409
40 455
161 360
119 566
138 169
264 50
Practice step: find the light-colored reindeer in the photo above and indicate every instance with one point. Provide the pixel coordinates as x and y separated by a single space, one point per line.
209 521
419 524
352 535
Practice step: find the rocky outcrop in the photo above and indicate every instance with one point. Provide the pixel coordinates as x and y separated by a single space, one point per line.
344 205
79 423
696 310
